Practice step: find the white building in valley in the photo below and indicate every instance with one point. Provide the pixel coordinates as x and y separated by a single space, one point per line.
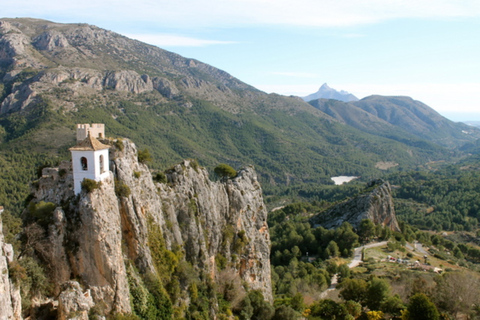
89 159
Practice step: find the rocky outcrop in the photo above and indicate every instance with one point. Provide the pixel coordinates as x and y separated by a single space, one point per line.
375 203
79 80
127 80
50 40
85 239
213 219
15 47
10 300
94 238
72 301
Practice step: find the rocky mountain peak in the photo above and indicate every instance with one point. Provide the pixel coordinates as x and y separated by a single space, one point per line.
374 203
325 92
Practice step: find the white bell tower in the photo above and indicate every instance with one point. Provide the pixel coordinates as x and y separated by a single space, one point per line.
90 161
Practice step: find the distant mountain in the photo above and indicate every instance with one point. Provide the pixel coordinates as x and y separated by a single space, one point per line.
418 119
325 92
360 119
472 123
399 118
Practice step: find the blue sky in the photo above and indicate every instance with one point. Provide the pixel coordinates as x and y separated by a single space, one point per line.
426 49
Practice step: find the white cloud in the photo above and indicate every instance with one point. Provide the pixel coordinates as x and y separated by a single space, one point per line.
170 40
225 13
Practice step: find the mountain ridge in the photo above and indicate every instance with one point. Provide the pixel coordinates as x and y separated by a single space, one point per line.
399 118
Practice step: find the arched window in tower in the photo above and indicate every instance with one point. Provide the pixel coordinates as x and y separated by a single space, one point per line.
83 161
102 167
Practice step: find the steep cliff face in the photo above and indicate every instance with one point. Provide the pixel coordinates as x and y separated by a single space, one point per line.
97 237
214 219
376 204
10 301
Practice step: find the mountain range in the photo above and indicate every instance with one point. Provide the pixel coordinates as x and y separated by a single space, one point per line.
399 118
53 76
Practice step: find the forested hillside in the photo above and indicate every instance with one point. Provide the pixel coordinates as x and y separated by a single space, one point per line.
445 199
400 118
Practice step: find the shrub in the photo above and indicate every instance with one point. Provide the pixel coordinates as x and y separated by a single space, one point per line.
16 272
144 156
121 189
119 144
62 172
160 177
137 174
224 171
150 301
194 164
220 261
41 212
31 276
88 185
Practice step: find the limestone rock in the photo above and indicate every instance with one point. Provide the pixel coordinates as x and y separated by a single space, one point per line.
10 300
207 213
127 80
50 40
73 303
99 233
166 87
376 204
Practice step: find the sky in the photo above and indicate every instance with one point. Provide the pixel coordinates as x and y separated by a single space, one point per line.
426 49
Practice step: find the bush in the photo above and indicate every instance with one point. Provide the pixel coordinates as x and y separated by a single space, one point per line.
121 189
62 172
16 272
224 171
88 185
220 261
41 212
194 164
119 144
144 156
31 276
160 177
137 174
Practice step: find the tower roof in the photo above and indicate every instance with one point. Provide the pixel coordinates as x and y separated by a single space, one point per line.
89 144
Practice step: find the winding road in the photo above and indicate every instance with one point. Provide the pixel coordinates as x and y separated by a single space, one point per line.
357 259
357 253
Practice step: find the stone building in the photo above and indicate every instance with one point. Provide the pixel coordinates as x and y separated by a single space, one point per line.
96 130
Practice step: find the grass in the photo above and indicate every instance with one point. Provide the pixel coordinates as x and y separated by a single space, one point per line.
375 262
